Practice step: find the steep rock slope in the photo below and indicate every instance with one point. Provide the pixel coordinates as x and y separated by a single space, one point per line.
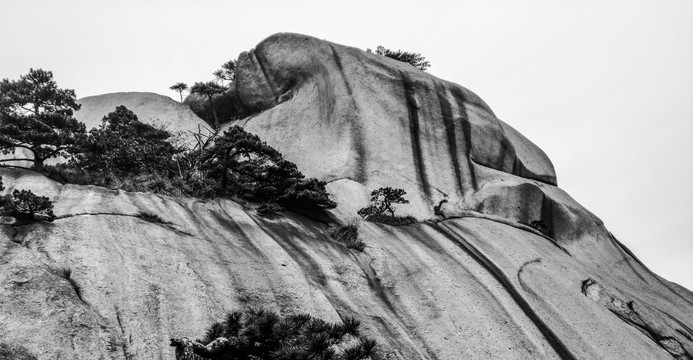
474 282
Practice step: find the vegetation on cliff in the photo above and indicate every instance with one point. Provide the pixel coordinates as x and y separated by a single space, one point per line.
25 206
37 115
262 334
382 200
414 59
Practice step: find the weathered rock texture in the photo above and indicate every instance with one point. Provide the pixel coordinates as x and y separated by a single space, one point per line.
477 283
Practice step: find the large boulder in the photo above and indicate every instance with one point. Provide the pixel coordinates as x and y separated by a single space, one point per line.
361 121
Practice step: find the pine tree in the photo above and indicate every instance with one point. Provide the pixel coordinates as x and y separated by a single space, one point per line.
36 115
245 165
209 89
227 71
124 146
179 87
382 200
262 334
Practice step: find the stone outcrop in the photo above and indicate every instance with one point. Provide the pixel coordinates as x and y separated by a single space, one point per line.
474 281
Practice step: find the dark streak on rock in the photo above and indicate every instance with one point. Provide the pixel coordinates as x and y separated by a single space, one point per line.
448 121
231 226
547 216
415 132
259 58
123 339
459 95
357 132
553 340
284 240
398 312
167 225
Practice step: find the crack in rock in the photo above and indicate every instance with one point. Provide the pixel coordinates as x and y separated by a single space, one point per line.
654 327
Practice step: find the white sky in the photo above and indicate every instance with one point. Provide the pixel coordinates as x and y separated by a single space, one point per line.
605 88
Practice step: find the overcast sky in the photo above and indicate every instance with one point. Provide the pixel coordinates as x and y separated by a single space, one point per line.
605 88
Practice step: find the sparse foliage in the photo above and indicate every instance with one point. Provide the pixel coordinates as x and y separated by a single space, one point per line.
349 236
36 115
415 59
179 87
262 334
209 89
227 71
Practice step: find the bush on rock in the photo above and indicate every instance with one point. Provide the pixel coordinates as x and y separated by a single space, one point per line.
262 334
382 200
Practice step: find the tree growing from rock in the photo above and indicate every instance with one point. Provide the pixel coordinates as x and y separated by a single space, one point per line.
179 88
262 334
37 115
415 59
209 89
382 200
243 165
227 71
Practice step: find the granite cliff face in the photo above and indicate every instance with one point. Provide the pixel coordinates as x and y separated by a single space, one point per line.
472 280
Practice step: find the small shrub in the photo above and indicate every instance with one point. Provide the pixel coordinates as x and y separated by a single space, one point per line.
269 208
152 218
392 220
349 236
27 207
262 334
414 59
